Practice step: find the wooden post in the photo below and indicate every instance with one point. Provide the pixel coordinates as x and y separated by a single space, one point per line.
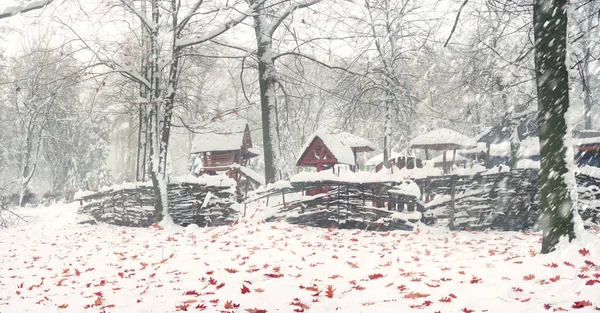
244 208
444 163
283 196
338 206
452 208
487 154
453 158
426 154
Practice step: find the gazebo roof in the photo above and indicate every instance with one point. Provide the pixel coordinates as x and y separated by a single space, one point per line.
442 139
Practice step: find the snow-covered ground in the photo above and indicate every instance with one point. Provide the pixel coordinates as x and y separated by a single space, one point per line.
54 265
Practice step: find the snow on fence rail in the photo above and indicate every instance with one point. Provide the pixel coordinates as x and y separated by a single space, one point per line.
373 205
200 202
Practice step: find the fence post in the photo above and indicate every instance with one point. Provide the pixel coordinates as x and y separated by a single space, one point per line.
452 208
338 205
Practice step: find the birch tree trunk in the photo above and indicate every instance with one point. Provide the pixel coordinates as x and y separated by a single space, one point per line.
550 30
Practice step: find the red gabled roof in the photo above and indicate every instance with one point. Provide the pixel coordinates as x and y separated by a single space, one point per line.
317 154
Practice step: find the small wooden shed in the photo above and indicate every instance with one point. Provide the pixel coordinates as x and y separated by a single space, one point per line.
226 147
324 149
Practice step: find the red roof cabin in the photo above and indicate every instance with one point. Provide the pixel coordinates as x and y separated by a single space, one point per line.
326 149
225 147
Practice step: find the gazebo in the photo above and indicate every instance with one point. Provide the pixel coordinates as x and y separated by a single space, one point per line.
443 139
326 149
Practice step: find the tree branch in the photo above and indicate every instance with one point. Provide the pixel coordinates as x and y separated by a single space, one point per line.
456 22
34 5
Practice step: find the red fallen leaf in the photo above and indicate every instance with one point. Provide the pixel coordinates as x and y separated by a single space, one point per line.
201 307
592 282
465 310
568 264
401 288
584 251
77 272
551 265
59 282
182 307
99 294
139 300
230 305
298 303
517 289
452 295
191 293
98 301
358 287
21 285
416 295
274 275
259 290
375 276
329 291
597 275
581 304
212 281
221 285
299 310
547 306
432 285
231 270
582 276
445 299
255 310
209 272
475 280
590 263
245 289
334 276
107 306
555 278
529 277
121 274
63 306
526 300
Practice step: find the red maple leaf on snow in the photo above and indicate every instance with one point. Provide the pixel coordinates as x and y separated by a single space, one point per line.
465 310
245 289
581 304
584 251
375 276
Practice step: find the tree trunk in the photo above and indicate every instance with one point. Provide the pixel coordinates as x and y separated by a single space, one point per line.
550 30
266 81
515 144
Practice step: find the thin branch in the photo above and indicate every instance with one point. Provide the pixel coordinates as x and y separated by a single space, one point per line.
456 22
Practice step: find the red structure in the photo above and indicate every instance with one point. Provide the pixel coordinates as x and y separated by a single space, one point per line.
326 149
226 148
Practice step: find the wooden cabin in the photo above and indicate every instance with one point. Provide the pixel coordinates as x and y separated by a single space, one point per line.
225 147
324 149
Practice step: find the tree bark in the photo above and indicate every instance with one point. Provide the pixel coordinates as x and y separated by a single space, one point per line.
266 81
550 30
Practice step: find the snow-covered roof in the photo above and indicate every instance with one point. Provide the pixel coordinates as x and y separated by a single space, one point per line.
253 175
393 155
220 136
339 144
441 139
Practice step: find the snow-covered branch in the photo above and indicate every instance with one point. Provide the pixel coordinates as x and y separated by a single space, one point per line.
194 40
285 12
14 10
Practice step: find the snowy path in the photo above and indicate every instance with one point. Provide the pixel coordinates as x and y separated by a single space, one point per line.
55 265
